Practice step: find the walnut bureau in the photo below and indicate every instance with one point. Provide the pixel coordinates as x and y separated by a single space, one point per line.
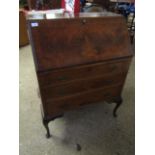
79 59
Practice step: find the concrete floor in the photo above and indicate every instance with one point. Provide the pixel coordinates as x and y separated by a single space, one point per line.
93 127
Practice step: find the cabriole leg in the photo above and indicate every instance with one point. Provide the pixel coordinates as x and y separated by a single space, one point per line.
45 123
118 102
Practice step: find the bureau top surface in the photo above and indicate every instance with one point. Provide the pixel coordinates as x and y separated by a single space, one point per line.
60 14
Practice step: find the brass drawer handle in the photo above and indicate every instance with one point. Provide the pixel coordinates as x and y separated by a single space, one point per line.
82 104
107 95
61 92
109 81
62 78
112 68
64 106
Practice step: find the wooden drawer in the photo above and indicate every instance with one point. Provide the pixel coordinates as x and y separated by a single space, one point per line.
82 85
60 76
75 101
23 36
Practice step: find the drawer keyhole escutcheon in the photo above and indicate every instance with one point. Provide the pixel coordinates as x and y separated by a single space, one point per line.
84 21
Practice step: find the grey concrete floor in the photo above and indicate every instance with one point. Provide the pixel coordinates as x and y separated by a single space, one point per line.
93 126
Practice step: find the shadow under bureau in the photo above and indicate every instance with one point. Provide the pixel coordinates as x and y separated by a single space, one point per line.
79 59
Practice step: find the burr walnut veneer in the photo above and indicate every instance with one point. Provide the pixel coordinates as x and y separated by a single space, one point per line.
79 59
